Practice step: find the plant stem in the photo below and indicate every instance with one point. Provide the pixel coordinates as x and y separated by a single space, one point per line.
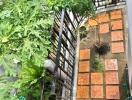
42 90
96 31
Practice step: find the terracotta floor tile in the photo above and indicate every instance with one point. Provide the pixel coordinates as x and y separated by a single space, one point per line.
92 22
96 78
116 14
84 66
84 54
117 35
117 47
83 79
111 64
104 28
111 78
117 25
104 17
82 92
97 92
112 92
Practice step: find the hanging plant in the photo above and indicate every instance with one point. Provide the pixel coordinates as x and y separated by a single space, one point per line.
83 32
101 48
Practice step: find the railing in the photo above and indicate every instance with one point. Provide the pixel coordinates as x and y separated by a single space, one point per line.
101 4
63 40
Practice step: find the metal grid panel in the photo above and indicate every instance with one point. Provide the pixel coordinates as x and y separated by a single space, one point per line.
63 40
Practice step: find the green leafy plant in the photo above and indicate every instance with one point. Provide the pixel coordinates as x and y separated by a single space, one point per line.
83 32
97 65
24 38
24 43
81 7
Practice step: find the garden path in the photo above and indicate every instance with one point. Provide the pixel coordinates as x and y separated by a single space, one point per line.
109 83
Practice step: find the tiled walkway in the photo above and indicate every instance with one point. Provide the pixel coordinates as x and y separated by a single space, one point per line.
102 85
97 85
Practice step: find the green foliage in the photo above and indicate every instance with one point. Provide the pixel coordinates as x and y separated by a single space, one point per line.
82 7
83 32
24 30
97 65
24 37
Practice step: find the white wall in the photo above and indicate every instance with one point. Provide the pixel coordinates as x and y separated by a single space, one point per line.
129 13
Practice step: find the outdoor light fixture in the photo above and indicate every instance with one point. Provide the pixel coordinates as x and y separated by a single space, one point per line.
50 66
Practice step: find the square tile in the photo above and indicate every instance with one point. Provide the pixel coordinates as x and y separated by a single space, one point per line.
117 35
116 14
92 22
84 66
96 78
83 92
117 25
112 92
111 64
83 79
97 92
117 47
104 17
84 54
103 28
111 78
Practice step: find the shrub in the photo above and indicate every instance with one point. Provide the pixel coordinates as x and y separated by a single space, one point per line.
97 65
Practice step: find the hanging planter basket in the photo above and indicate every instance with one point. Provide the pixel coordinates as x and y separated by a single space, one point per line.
101 48
83 32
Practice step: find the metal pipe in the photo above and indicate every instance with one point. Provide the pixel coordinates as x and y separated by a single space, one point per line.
50 66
